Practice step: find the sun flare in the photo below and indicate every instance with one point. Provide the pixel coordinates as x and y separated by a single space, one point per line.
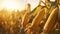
10 5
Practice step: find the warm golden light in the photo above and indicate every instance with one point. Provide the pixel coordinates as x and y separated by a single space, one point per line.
10 4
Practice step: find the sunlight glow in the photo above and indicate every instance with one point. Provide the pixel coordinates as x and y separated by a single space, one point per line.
10 4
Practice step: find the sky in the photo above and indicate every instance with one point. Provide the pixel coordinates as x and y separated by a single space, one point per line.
19 4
